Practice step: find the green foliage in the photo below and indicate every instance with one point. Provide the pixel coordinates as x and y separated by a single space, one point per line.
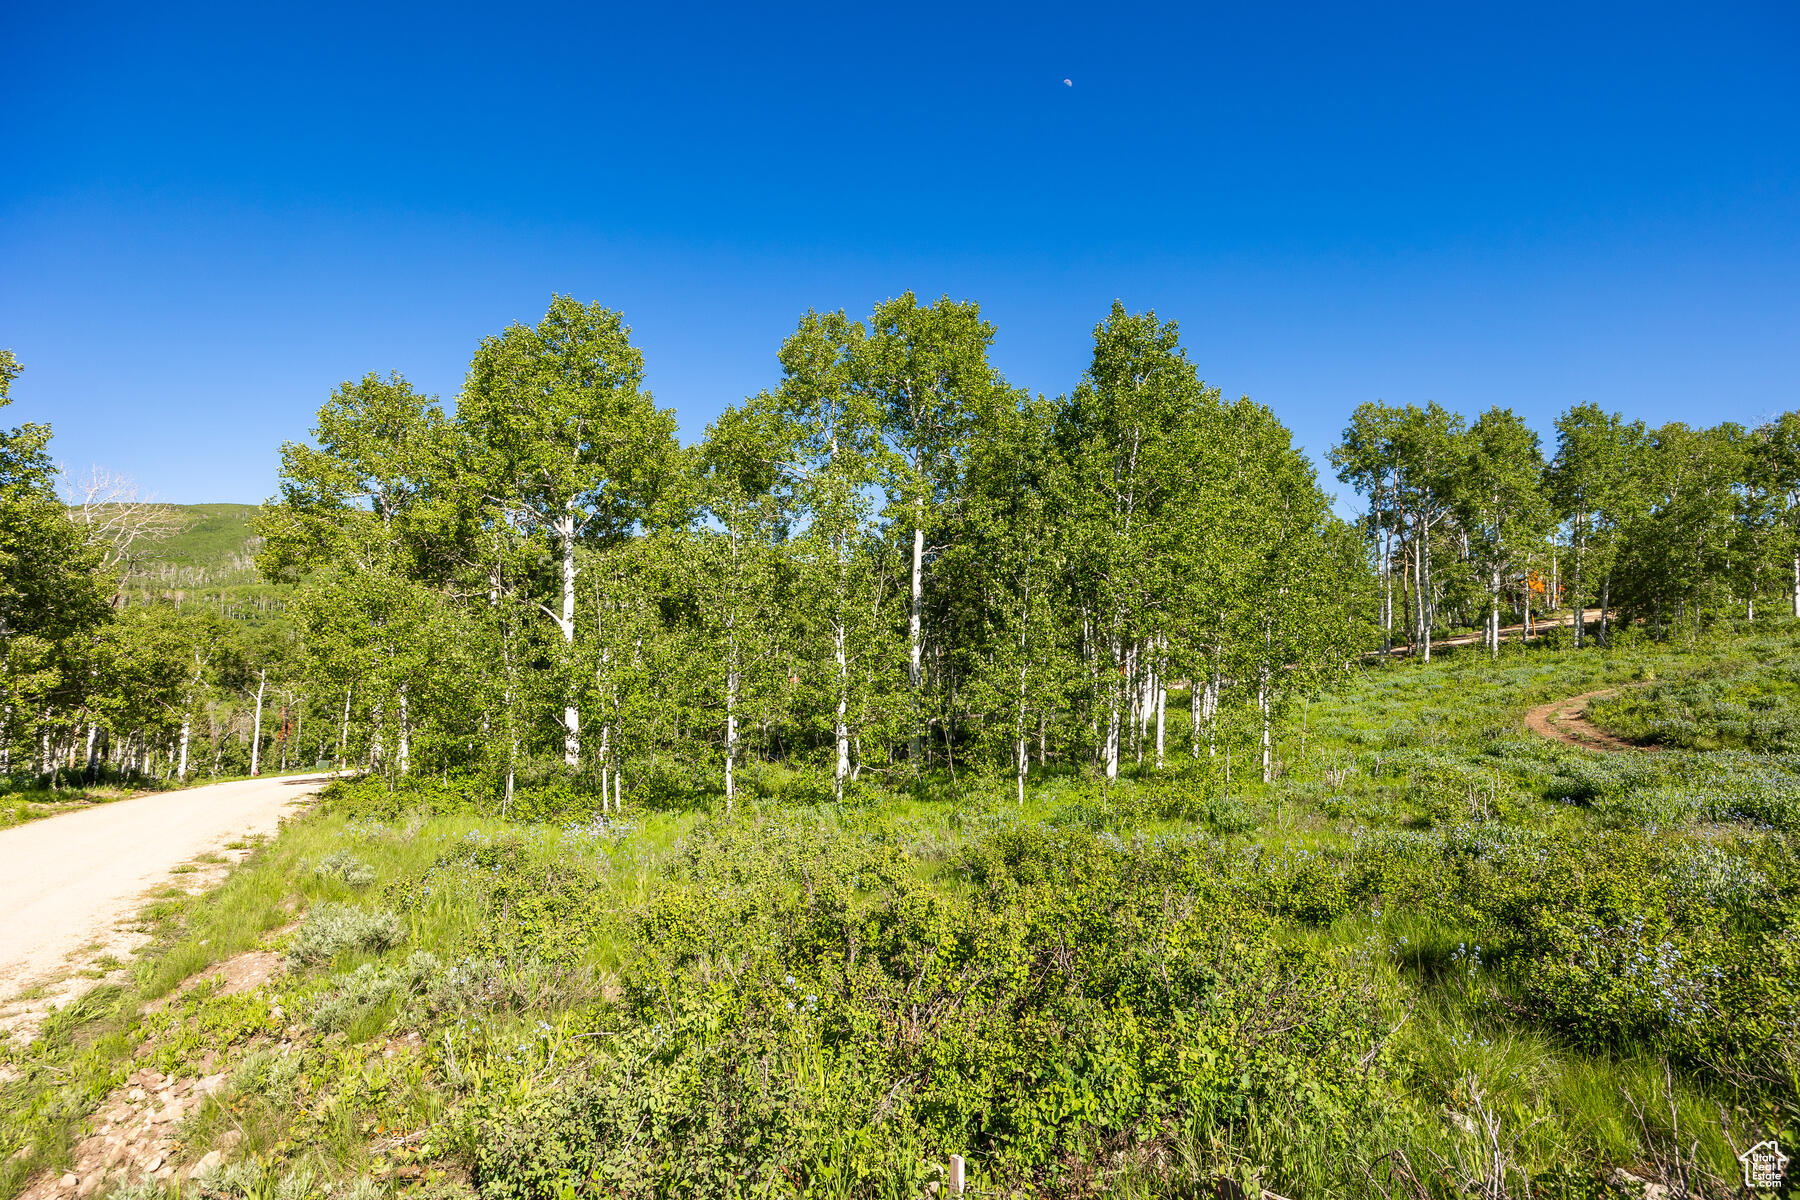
1756 709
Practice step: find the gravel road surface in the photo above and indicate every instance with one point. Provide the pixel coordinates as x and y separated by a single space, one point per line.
67 881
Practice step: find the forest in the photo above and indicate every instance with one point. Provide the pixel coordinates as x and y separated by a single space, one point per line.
890 563
917 767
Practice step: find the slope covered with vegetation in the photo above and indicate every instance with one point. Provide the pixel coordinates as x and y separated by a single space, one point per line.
1435 953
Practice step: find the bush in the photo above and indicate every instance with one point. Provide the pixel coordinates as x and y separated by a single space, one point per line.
360 993
344 866
332 929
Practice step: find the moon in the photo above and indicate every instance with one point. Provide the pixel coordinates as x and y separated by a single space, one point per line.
1068 83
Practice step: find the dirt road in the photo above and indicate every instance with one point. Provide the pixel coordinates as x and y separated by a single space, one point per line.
1508 633
67 881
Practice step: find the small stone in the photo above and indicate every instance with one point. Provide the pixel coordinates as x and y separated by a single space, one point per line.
230 1138
136 1095
211 1160
153 1163
69 1179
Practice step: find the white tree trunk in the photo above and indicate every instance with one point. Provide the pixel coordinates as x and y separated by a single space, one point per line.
1494 617
1193 715
1425 613
841 728
262 682
1262 705
1797 583
93 740
1387 594
1112 721
915 639
1162 717
565 534
731 721
187 723
344 732
1211 712
404 757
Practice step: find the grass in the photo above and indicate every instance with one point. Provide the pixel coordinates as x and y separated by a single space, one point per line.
1412 820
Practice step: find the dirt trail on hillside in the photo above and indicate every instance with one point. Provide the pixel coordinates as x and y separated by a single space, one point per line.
1566 721
67 883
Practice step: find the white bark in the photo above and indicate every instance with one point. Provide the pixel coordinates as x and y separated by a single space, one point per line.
404 758
344 732
262 683
731 721
1211 709
1494 617
1194 716
1112 722
841 727
914 626
1162 718
565 535
187 723
1262 704
1019 724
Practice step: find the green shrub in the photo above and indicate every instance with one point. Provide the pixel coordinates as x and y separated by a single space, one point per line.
353 997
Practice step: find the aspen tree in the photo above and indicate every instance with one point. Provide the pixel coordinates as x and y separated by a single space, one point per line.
830 452
927 369
571 445
1125 433
1500 503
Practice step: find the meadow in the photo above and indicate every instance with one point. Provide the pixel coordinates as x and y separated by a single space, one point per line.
1437 956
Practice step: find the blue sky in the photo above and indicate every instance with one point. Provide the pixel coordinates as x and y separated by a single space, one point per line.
212 215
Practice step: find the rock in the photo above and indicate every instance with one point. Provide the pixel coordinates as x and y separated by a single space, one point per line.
230 1138
153 1164
70 1180
136 1095
210 1084
212 1159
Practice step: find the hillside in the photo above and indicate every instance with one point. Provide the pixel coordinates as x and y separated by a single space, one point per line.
214 537
210 560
